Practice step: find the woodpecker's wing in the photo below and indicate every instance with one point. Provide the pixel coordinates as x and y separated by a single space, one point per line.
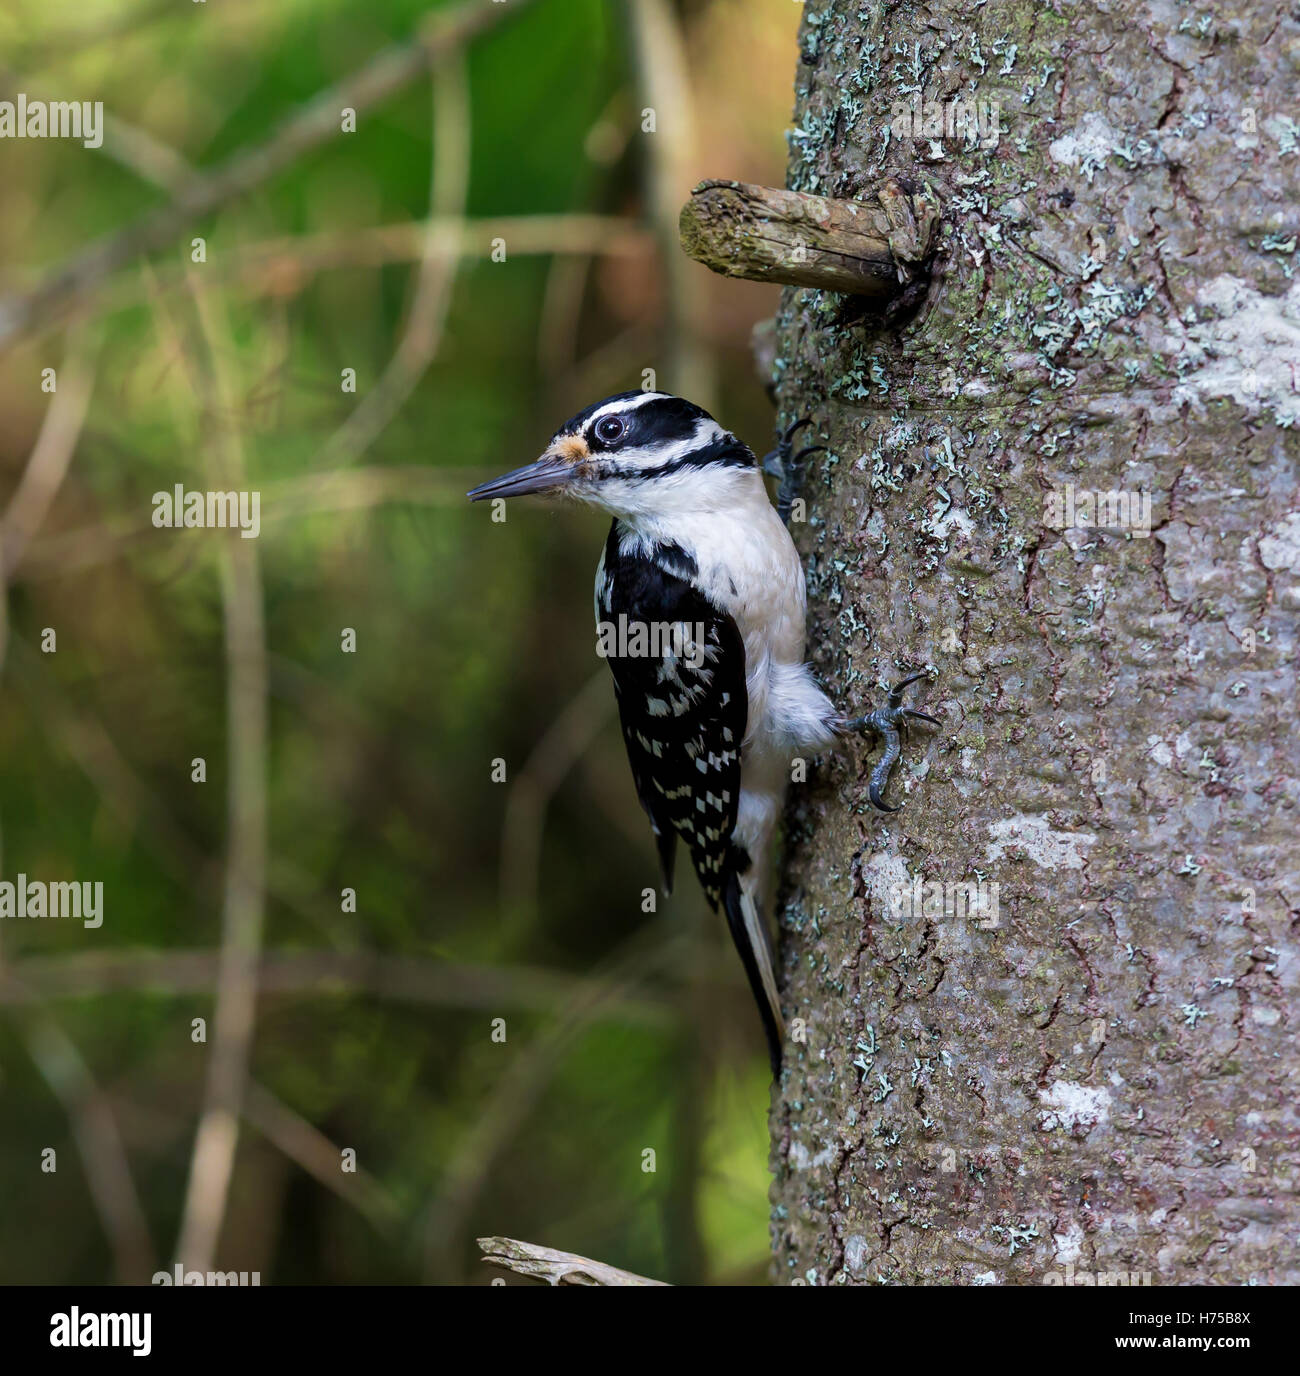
679 674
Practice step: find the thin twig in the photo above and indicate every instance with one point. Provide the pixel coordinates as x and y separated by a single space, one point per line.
94 1126
448 188
521 1085
284 265
51 454
339 490
127 144
78 33
608 367
310 127
561 313
245 893
567 274
89 745
565 741
99 1144
670 154
399 979
309 1148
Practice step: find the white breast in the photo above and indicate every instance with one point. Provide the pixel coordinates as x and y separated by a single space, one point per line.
748 565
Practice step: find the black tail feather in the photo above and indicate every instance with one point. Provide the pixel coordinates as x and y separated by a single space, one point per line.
736 924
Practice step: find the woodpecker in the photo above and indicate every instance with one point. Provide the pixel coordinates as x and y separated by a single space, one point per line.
700 604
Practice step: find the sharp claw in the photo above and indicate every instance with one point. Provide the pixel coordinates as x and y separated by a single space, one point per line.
784 464
896 692
794 429
922 716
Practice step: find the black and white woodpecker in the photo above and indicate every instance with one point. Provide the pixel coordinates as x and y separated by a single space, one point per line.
713 693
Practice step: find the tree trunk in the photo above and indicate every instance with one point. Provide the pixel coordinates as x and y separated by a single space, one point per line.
1095 1076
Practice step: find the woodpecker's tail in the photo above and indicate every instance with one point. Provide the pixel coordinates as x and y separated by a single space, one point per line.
740 901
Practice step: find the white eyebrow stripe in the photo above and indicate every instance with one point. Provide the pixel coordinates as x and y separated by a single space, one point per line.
627 405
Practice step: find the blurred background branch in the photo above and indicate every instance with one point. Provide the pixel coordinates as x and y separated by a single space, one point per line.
322 1159
660 57
517 1091
244 907
323 974
435 278
99 1144
315 123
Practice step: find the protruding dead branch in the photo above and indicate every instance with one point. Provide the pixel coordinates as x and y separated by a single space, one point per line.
864 248
556 1268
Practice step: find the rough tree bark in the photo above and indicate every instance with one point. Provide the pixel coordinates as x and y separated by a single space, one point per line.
1102 1078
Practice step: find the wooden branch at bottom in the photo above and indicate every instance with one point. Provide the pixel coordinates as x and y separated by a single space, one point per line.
766 234
556 1268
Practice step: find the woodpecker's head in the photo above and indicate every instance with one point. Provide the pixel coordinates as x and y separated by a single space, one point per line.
635 454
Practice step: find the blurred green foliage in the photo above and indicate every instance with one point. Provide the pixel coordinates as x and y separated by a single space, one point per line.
473 640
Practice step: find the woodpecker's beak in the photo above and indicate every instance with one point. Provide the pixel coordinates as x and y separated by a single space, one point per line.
549 472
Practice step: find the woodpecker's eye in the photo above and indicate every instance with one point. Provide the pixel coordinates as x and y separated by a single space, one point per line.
609 429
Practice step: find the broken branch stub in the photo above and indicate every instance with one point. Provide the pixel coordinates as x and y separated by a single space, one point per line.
554 1267
766 234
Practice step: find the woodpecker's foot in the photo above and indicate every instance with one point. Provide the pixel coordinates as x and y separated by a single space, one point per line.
785 464
889 723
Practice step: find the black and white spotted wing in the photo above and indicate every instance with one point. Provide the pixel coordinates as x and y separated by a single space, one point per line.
682 704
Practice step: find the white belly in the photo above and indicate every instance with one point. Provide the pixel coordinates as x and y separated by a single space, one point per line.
748 565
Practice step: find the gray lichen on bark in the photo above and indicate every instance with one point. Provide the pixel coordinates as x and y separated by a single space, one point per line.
1102 1080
